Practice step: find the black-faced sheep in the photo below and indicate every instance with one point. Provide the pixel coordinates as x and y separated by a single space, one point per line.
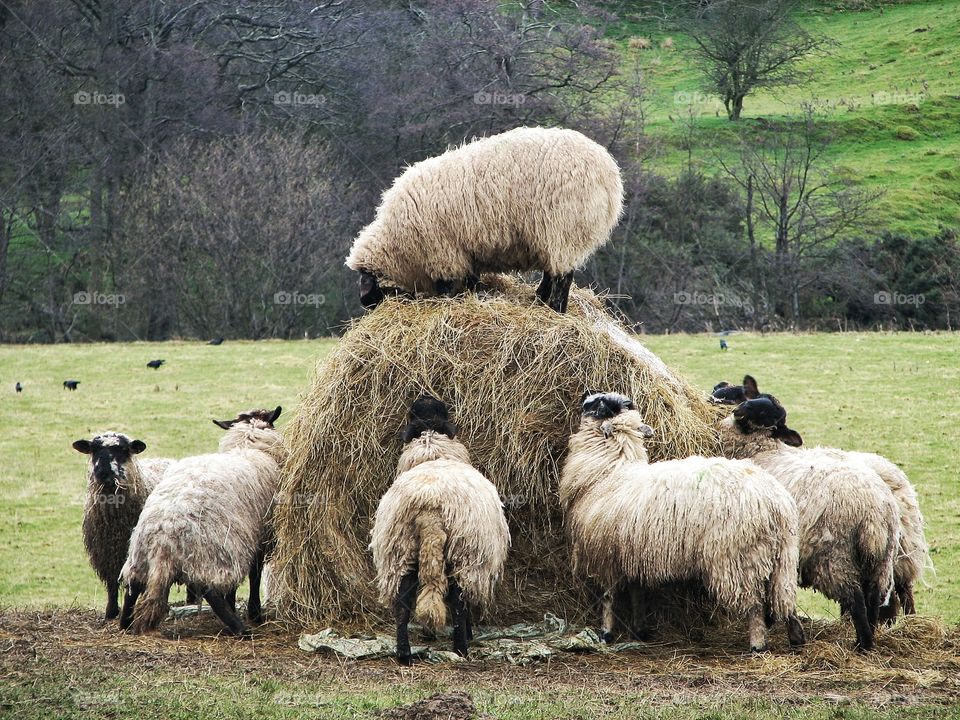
721 523
439 533
206 524
117 487
529 198
913 554
849 520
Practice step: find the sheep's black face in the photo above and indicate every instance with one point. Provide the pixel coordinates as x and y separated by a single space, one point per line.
371 294
765 413
428 413
728 394
108 456
604 406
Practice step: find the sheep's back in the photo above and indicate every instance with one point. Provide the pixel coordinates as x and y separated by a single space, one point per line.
530 198
208 516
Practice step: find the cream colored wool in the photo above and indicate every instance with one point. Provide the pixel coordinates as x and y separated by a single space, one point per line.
205 521
439 512
526 199
724 523
913 552
849 520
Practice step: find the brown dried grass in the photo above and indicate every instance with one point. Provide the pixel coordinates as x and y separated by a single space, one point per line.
513 372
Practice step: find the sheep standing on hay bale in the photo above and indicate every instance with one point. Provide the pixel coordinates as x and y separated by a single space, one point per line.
526 199
723 523
514 370
117 487
913 552
849 520
206 524
440 528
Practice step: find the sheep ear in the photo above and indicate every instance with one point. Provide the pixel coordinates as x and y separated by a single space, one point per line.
449 429
788 436
276 414
721 384
750 389
137 447
83 446
225 424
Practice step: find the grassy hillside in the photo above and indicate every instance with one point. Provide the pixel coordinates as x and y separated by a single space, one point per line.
897 394
889 91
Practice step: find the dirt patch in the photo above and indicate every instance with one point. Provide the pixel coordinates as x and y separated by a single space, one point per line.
443 706
916 662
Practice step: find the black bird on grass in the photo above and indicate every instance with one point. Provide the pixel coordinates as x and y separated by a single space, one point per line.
216 341
70 384
723 344
155 364
18 387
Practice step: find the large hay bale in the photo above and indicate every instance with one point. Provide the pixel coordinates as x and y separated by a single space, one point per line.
513 372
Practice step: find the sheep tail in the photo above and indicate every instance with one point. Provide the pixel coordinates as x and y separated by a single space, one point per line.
431 608
783 580
877 547
152 606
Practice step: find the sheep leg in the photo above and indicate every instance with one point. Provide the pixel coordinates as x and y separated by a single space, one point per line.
471 282
858 611
220 604
905 594
113 605
194 594
639 612
560 292
254 610
888 613
129 601
231 598
545 287
460 612
757 628
607 616
795 631
402 609
872 598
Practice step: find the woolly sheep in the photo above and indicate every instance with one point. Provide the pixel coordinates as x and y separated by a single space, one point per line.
913 554
206 524
439 531
117 487
529 198
723 523
849 520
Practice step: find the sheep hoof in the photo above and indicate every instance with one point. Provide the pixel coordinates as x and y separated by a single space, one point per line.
405 660
606 637
111 613
758 649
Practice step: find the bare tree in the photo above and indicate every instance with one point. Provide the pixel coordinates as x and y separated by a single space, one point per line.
798 199
745 45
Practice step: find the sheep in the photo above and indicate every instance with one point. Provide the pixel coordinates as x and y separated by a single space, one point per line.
439 531
206 523
849 519
117 487
530 198
722 523
913 554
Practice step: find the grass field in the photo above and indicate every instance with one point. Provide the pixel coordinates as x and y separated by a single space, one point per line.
889 69
897 394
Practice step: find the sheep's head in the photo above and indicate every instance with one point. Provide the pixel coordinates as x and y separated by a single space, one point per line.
109 453
372 293
428 414
613 412
765 414
727 394
258 416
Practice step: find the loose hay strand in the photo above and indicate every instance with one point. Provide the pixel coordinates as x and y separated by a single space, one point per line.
512 372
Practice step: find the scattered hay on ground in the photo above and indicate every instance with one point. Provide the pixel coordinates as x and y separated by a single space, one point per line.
513 372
